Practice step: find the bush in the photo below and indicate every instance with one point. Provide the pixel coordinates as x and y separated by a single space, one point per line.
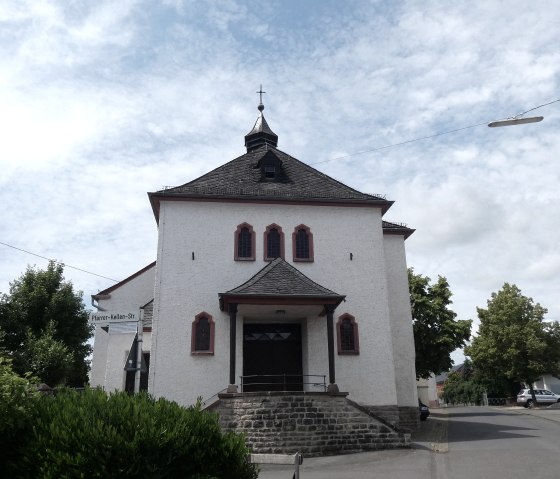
17 399
94 435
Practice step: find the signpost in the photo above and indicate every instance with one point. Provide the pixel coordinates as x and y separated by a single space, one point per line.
105 317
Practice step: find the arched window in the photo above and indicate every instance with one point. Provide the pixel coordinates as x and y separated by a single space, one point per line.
347 335
273 242
302 243
202 334
244 243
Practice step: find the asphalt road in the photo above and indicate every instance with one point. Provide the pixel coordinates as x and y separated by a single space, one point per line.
502 443
454 443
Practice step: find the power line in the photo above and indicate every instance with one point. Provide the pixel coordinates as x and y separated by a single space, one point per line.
424 137
545 104
58 262
399 144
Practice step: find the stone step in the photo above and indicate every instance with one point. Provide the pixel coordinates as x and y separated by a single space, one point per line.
312 423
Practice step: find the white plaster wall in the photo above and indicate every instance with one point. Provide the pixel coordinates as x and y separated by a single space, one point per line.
119 345
99 358
133 294
427 392
107 350
316 347
401 320
117 353
186 287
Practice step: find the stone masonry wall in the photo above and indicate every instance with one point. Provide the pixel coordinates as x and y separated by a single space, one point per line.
409 419
315 424
406 419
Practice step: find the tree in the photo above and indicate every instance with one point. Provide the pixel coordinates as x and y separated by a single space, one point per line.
436 331
513 339
44 327
18 399
459 389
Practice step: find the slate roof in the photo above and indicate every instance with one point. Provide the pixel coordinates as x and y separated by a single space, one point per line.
397 229
148 314
261 133
241 179
261 126
279 278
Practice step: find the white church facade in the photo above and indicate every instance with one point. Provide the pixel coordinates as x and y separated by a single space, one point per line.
270 276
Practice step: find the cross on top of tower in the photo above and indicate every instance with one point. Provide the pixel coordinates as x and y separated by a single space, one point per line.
260 92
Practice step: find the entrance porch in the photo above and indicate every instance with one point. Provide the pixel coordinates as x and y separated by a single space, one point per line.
274 305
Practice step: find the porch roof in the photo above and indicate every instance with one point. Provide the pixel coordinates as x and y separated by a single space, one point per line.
279 283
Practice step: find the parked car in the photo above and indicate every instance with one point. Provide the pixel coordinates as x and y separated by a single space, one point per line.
424 410
543 396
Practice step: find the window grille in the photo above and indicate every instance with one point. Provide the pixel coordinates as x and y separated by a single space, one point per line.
202 339
347 335
302 244
245 244
202 335
273 244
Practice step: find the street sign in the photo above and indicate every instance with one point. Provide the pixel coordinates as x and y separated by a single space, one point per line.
106 317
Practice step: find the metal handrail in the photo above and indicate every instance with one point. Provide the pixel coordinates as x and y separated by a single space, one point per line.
284 383
211 400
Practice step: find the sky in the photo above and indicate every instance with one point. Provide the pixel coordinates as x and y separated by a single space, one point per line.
101 102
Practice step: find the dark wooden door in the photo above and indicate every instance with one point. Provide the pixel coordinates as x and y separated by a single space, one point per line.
272 357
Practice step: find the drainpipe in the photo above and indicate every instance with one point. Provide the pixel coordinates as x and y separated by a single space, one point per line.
97 297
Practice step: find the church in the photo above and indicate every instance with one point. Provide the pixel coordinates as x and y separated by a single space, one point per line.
270 276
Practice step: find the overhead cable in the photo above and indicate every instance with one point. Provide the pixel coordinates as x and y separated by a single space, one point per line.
58 262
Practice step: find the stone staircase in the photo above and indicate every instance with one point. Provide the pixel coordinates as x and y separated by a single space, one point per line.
315 424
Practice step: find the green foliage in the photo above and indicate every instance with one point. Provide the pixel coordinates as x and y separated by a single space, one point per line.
46 357
45 327
436 331
95 435
17 396
459 390
17 402
513 341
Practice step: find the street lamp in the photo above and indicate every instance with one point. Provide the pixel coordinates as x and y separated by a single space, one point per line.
515 121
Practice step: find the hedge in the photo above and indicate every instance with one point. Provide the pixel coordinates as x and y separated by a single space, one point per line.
95 435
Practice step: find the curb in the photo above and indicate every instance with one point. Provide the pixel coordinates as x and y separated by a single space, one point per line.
531 412
441 444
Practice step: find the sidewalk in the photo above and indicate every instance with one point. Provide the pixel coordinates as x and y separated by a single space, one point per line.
549 413
413 463
433 432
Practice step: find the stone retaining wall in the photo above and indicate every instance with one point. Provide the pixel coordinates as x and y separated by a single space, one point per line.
409 419
406 419
314 424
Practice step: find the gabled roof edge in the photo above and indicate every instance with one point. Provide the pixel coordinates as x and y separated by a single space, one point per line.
124 281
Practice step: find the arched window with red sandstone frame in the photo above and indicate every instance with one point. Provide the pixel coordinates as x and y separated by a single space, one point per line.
302 243
244 243
347 335
202 334
273 242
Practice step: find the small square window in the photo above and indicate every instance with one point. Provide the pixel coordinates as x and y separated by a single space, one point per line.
270 172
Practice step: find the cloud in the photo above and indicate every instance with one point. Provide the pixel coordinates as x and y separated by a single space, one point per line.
102 102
